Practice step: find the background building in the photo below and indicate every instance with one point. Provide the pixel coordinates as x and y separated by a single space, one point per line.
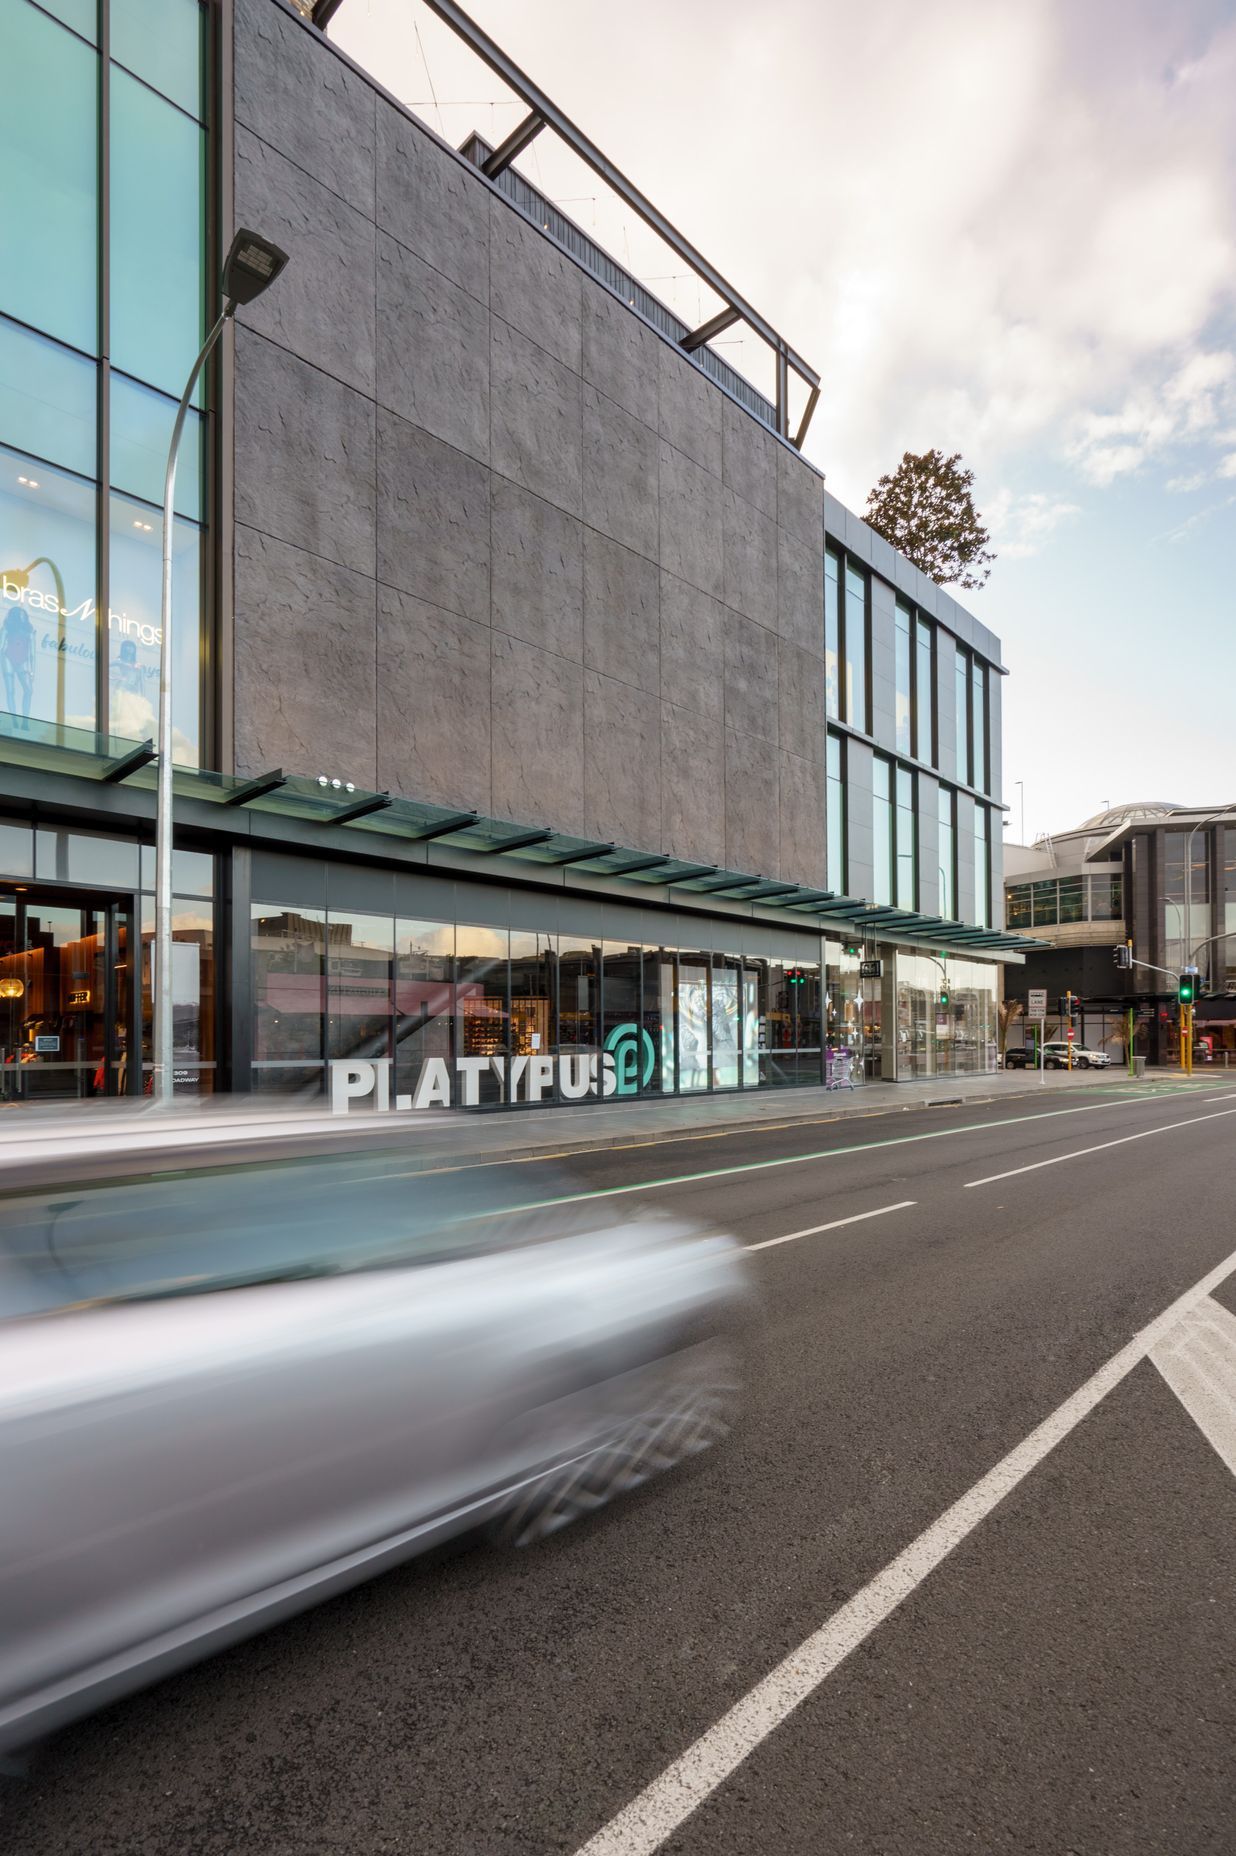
533 695
1162 876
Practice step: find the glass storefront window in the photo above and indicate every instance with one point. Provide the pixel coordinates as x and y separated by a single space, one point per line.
856 648
1044 904
901 667
135 634
47 399
359 950
193 872
1071 899
86 857
49 215
947 810
1017 905
158 170
163 42
578 994
424 998
658 1017
832 632
836 816
141 431
882 832
193 999
47 585
694 1022
481 1009
16 848
622 1031
906 828
289 996
924 706
726 1025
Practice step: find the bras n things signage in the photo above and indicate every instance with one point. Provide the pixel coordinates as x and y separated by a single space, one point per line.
621 1068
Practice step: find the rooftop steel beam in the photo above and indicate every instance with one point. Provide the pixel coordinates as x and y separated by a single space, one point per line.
716 325
515 143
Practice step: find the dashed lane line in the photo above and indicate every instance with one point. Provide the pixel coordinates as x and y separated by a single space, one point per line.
1079 1153
814 1230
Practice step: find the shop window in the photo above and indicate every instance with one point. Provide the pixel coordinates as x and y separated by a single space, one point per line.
135 631
658 1017
193 872
47 400
424 998
726 1021
578 994
47 594
359 952
86 857
1017 905
694 1023
621 1029
289 996
481 1008
49 214
16 849
532 994
193 1000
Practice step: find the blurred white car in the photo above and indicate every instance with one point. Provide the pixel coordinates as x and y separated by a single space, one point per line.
242 1366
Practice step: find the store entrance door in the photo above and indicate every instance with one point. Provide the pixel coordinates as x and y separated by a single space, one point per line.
65 996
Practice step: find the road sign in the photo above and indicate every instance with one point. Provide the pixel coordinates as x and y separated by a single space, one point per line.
1070 1034
1037 1007
870 969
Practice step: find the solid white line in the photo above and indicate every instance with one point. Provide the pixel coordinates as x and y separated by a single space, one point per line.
1079 1153
644 1824
815 1229
1198 1362
1225 1097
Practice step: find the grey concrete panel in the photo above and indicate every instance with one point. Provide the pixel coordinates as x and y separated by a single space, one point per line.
692 649
533 286
800 592
356 887
884 713
311 108
690 522
858 537
800 499
293 610
622 763
751 804
802 858
432 203
538 736
621 355
622 626
533 911
801 702
965 857
751 679
946 708
750 559
535 418
433 350
748 458
928 846
692 786
883 558
834 519
906 577
422 897
689 409
297 882
433 676
538 571
304 455
433 519
995 730
324 306
621 462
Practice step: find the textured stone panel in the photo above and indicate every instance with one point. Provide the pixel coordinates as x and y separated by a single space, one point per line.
433 519
533 286
433 203
621 461
751 815
535 418
749 458
751 705
433 350
621 355
689 409
800 498
308 105
800 592
537 586
622 763
750 554
801 686
323 307
622 629
802 820
692 786
690 522
297 612
433 703
692 649
538 736
304 455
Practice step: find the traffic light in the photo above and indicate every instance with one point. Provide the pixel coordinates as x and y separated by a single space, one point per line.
1122 954
943 995
1186 988
1064 1007
795 976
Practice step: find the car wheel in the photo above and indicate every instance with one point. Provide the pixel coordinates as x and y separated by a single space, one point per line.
645 1422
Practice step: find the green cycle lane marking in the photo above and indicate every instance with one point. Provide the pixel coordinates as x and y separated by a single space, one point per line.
828 1153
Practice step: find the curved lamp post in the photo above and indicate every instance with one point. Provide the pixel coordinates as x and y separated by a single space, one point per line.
251 266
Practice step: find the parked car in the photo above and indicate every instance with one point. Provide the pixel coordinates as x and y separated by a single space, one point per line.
241 1369
1056 1057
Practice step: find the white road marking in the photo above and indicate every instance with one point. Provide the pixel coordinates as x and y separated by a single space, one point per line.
644 1824
1079 1153
815 1229
1198 1361
1225 1097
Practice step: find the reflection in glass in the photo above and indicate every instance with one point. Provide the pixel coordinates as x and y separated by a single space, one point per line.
289 995
358 974
424 998
901 667
47 399
158 167
622 1035
832 632
578 980
481 1004
49 216
141 431
726 1031
162 41
924 688
135 632
856 648
836 817
694 1023
47 583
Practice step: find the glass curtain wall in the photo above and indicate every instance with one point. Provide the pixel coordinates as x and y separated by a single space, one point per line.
947 1021
103 226
907 859
982 868
855 639
1184 929
489 1003
1221 963
924 693
978 717
836 815
947 803
903 676
832 633
882 832
961 680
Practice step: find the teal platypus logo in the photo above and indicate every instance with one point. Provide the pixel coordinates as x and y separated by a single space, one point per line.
635 1057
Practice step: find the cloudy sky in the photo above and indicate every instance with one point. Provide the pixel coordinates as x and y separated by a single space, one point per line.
1008 230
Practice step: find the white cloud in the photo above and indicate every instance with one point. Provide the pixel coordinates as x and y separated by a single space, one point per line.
1227 465
1020 525
1182 486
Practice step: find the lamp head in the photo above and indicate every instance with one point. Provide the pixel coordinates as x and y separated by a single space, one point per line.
251 266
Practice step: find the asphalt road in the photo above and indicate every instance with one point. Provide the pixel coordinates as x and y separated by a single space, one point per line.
1058 1676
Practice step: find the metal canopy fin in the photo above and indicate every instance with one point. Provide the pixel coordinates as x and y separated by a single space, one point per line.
716 325
257 789
360 808
512 844
125 764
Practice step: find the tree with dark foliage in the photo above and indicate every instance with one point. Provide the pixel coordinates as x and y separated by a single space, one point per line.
926 510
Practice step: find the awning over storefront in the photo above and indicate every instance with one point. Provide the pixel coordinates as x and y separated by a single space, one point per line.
107 759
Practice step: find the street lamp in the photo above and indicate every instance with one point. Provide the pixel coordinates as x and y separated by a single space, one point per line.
251 266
